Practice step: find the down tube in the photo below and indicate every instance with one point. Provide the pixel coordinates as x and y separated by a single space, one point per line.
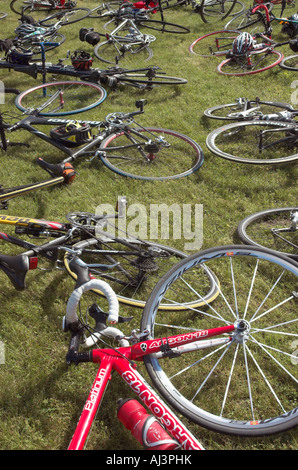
91 406
157 407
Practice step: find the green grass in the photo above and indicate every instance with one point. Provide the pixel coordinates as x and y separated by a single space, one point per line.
40 398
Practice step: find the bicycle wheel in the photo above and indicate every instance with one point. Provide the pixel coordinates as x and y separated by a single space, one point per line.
66 17
215 44
148 79
257 63
276 229
230 112
245 383
257 142
216 10
163 26
29 45
252 23
61 98
130 52
104 8
151 154
135 268
290 63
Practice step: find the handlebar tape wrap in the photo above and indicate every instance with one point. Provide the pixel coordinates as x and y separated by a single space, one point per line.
104 287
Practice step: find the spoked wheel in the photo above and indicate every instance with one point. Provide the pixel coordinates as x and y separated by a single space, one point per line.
255 63
133 267
244 383
147 79
104 8
246 21
290 63
276 229
255 142
61 98
66 17
163 26
213 11
129 52
232 111
56 38
151 154
215 44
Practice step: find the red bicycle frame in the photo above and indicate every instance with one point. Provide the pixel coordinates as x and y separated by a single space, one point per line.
120 360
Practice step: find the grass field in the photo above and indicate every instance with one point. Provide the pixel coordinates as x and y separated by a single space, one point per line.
40 398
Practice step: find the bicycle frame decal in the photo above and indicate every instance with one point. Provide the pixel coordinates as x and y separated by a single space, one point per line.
160 410
14 220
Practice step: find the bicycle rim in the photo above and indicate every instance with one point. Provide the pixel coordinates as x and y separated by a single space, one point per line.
227 112
290 63
102 10
111 52
245 385
136 273
144 79
271 229
214 10
163 26
255 147
248 22
258 63
66 16
130 155
214 44
36 49
77 97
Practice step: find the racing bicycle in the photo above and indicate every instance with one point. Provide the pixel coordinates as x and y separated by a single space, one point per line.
244 109
104 249
256 138
227 366
119 142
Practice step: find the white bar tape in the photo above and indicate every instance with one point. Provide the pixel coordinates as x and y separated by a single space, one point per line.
104 287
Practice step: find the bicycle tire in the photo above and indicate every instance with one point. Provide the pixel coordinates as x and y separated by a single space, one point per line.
36 49
146 166
256 228
246 133
217 388
146 80
17 6
77 14
125 279
110 52
163 26
290 63
225 67
225 111
215 44
3 15
75 94
101 10
214 9
245 20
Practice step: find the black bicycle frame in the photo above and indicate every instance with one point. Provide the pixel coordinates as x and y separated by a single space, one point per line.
29 121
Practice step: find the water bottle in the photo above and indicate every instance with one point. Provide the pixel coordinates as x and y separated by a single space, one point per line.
145 427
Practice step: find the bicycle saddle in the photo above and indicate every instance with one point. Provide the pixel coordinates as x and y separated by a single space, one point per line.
16 268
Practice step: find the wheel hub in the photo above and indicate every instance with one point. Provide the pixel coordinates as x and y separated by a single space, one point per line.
242 329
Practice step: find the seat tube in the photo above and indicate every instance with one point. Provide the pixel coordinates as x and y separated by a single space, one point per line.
91 406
